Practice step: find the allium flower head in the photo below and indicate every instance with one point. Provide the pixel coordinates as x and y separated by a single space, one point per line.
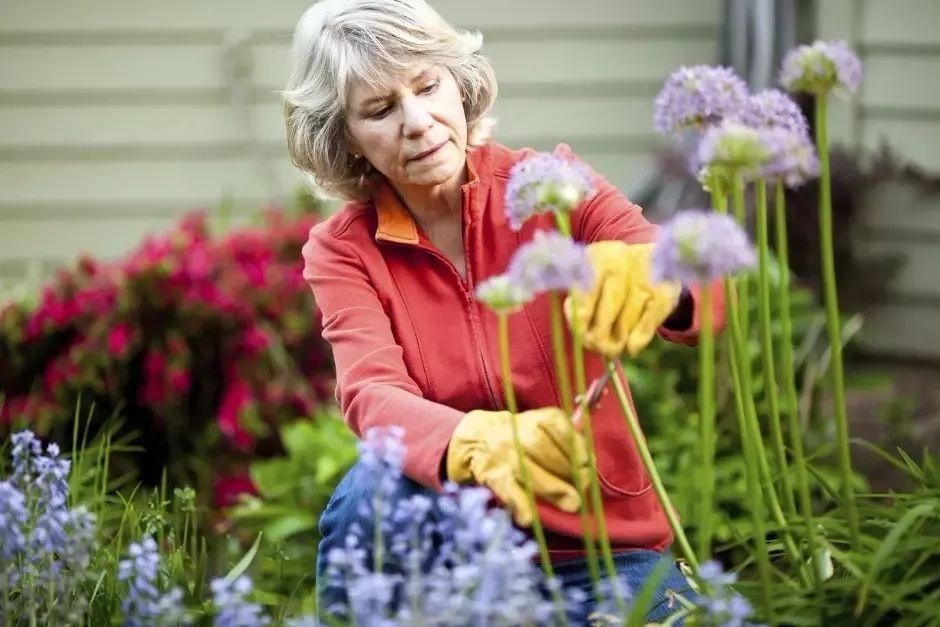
545 182
821 68
697 96
551 261
696 247
501 294
792 159
772 107
732 147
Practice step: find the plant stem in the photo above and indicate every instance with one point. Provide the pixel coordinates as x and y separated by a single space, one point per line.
743 282
832 317
537 529
741 360
706 396
789 382
561 361
753 488
634 426
767 349
597 503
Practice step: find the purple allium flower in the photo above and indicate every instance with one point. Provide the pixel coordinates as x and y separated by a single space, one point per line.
502 295
551 261
233 609
821 67
697 96
792 159
144 604
772 107
732 147
545 182
697 247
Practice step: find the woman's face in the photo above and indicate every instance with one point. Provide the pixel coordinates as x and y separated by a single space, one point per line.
415 132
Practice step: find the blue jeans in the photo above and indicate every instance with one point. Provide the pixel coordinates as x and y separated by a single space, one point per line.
634 567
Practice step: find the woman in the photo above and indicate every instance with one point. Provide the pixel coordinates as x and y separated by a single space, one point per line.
387 107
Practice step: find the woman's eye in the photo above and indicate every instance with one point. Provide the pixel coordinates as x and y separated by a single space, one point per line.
429 88
381 113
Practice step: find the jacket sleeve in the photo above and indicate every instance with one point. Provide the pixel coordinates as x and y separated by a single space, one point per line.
373 386
609 215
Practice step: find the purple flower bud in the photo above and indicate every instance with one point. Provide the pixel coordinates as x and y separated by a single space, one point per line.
545 182
821 68
732 148
551 261
793 158
697 247
772 107
502 295
697 96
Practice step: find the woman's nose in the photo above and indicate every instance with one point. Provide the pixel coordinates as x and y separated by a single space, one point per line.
416 118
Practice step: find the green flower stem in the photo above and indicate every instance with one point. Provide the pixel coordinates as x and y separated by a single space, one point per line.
767 350
634 426
753 484
597 503
511 405
558 346
789 381
706 396
741 362
743 282
832 317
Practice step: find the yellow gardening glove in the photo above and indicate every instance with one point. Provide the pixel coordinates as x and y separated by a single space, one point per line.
623 308
481 450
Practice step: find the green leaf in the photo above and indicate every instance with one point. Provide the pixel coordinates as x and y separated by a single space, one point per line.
288 525
244 562
300 438
888 546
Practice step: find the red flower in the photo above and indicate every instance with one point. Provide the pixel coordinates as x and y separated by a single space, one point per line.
227 489
236 398
118 339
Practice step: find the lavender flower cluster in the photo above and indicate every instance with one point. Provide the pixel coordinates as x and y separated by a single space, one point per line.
545 183
761 135
144 603
46 546
445 561
697 247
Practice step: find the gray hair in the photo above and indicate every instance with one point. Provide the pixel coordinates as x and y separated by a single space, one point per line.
339 41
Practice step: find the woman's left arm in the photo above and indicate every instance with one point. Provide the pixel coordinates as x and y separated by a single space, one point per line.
609 215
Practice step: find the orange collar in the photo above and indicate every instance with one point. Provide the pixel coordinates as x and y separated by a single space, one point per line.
395 222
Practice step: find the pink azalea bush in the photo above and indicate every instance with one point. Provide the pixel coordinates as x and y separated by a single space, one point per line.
214 337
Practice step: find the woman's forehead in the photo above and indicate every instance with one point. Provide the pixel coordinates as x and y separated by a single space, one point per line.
383 81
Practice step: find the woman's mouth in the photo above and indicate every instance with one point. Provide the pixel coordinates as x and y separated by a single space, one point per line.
427 153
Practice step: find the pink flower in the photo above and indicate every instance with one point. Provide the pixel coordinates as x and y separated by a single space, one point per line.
118 339
237 396
179 381
254 341
227 489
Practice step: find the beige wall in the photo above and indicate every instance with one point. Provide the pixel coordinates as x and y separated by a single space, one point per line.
117 115
899 41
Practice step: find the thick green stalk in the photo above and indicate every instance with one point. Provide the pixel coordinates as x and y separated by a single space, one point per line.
742 283
558 347
634 426
832 317
767 349
597 503
741 359
789 384
752 476
706 397
537 529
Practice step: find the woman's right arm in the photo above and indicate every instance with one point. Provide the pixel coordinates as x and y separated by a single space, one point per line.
373 386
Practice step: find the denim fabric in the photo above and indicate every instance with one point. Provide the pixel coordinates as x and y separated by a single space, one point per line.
343 511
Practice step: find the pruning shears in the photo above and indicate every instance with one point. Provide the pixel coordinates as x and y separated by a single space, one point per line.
591 397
